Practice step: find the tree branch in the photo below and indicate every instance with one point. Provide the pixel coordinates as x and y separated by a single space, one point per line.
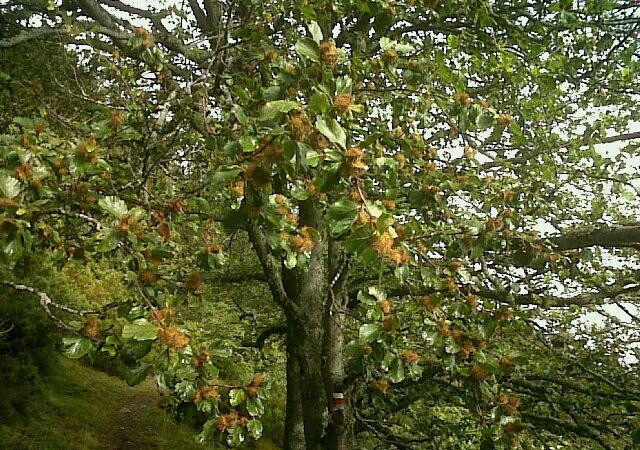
45 302
266 334
30 34
620 137
271 268
622 236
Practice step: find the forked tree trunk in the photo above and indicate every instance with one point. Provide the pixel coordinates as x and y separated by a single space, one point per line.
314 374
314 359
311 299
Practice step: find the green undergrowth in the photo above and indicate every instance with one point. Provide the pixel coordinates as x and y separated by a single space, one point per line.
80 408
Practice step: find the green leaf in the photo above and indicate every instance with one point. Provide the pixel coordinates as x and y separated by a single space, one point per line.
396 371
299 192
291 260
27 124
240 115
402 273
209 429
388 44
255 428
9 186
236 396
341 216
453 41
255 407
307 48
415 371
319 103
272 109
248 143
378 293
369 332
77 347
316 32
113 205
109 243
138 375
236 436
185 389
313 158
484 121
366 299
344 85
492 365
221 352
452 346
332 131
488 328
140 330
135 350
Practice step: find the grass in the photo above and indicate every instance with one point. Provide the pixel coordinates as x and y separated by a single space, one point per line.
80 409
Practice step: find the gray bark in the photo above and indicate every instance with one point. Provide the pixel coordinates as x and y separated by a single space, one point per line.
294 421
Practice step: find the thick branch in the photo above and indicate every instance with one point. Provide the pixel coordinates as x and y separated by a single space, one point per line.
271 268
266 334
623 236
620 137
30 34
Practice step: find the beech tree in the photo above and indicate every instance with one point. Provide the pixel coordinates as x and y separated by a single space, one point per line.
423 184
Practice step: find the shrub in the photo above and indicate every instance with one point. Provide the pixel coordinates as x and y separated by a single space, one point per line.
27 351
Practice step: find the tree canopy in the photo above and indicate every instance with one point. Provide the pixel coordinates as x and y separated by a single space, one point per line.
439 196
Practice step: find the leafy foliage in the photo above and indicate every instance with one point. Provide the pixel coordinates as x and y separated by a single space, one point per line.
28 350
392 166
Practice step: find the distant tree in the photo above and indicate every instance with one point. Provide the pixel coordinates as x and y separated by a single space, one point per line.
419 181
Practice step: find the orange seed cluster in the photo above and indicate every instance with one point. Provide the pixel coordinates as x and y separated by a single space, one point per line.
411 357
205 393
161 316
329 54
381 385
303 242
355 157
203 357
342 103
174 338
478 373
391 57
299 126
24 171
226 420
508 403
91 328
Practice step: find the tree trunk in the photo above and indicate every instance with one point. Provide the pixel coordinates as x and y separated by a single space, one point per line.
339 414
314 404
294 420
314 338
314 373
333 346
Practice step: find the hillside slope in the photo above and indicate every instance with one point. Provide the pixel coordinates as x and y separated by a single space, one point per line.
83 409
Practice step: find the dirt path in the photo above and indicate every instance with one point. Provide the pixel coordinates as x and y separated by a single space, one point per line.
131 429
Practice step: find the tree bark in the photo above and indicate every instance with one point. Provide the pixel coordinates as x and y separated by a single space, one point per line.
621 236
334 374
294 420
314 405
339 414
311 299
